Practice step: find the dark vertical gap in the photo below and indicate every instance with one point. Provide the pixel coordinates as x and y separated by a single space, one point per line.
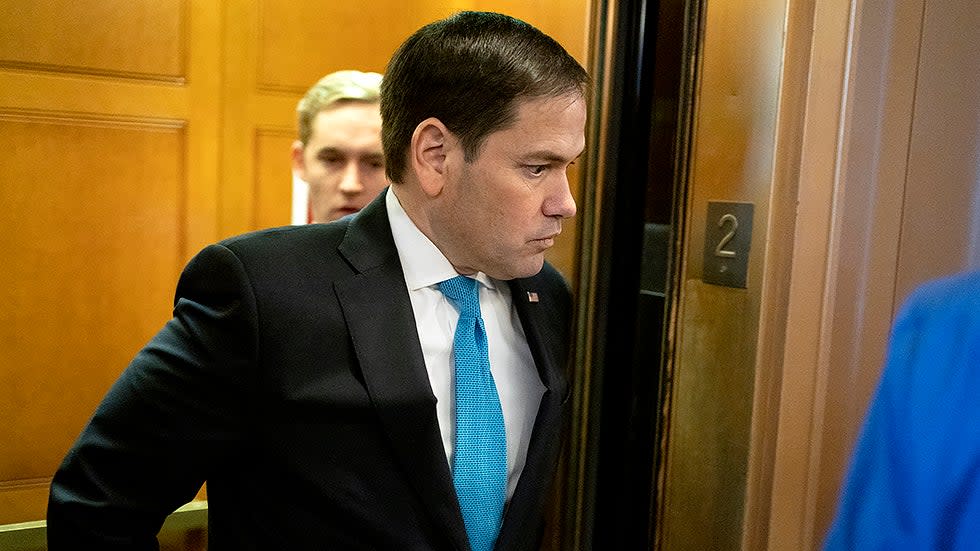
635 237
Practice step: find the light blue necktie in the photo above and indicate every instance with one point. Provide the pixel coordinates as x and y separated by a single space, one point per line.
480 457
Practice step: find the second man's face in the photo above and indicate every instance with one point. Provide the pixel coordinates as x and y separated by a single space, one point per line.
342 162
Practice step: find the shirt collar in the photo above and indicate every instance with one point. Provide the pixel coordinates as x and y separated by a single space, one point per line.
422 262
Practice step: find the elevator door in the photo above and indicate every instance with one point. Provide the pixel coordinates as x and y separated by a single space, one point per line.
643 120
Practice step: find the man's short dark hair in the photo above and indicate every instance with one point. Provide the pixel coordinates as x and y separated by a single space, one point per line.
470 71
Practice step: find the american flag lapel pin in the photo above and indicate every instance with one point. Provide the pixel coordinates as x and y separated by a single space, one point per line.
532 296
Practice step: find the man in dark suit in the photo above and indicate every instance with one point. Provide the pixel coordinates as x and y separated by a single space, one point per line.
312 375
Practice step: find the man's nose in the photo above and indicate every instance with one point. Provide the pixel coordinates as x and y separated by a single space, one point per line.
350 180
560 203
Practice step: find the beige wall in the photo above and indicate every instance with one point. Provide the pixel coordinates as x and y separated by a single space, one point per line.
888 196
852 125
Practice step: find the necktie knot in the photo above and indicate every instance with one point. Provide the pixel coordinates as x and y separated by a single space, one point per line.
464 292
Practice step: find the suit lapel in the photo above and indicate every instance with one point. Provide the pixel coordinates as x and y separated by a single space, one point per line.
379 316
538 322
544 338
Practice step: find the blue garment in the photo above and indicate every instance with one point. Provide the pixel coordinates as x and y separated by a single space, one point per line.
914 481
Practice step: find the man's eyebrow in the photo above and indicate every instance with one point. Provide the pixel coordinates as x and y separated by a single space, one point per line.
334 150
550 156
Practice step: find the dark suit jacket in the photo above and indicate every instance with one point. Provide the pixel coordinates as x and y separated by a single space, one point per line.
291 379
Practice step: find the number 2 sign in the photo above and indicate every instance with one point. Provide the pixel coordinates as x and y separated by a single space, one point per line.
727 239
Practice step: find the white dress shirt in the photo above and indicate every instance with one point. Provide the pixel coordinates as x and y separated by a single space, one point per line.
518 384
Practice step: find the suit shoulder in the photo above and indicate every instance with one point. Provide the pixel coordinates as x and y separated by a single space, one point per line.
284 252
286 236
286 245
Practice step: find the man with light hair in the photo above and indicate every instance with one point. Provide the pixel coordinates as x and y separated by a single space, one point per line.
338 153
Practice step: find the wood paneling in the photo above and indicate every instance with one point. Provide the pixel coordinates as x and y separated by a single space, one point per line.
709 437
943 151
563 20
273 204
133 38
92 237
344 35
109 180
364 35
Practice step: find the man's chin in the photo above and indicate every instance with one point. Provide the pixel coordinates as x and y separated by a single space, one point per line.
527 268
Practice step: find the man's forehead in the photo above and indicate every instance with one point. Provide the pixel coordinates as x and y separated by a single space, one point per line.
550 130
346 150
349 127
350 102
559 102
369 112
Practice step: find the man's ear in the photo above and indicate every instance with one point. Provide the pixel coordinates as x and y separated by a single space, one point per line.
430 144
296 152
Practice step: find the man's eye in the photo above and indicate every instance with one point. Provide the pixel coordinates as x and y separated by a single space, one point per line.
536 170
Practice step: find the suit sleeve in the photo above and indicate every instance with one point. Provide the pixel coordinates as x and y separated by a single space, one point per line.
172 416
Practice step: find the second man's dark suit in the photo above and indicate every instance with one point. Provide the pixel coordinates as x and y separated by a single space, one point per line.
291 379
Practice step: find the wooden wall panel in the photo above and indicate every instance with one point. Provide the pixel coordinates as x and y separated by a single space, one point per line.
137 38
301 40
363 36
91 231
23 500
273 191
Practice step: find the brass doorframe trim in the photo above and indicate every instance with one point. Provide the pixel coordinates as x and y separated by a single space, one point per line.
694 22
580 471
